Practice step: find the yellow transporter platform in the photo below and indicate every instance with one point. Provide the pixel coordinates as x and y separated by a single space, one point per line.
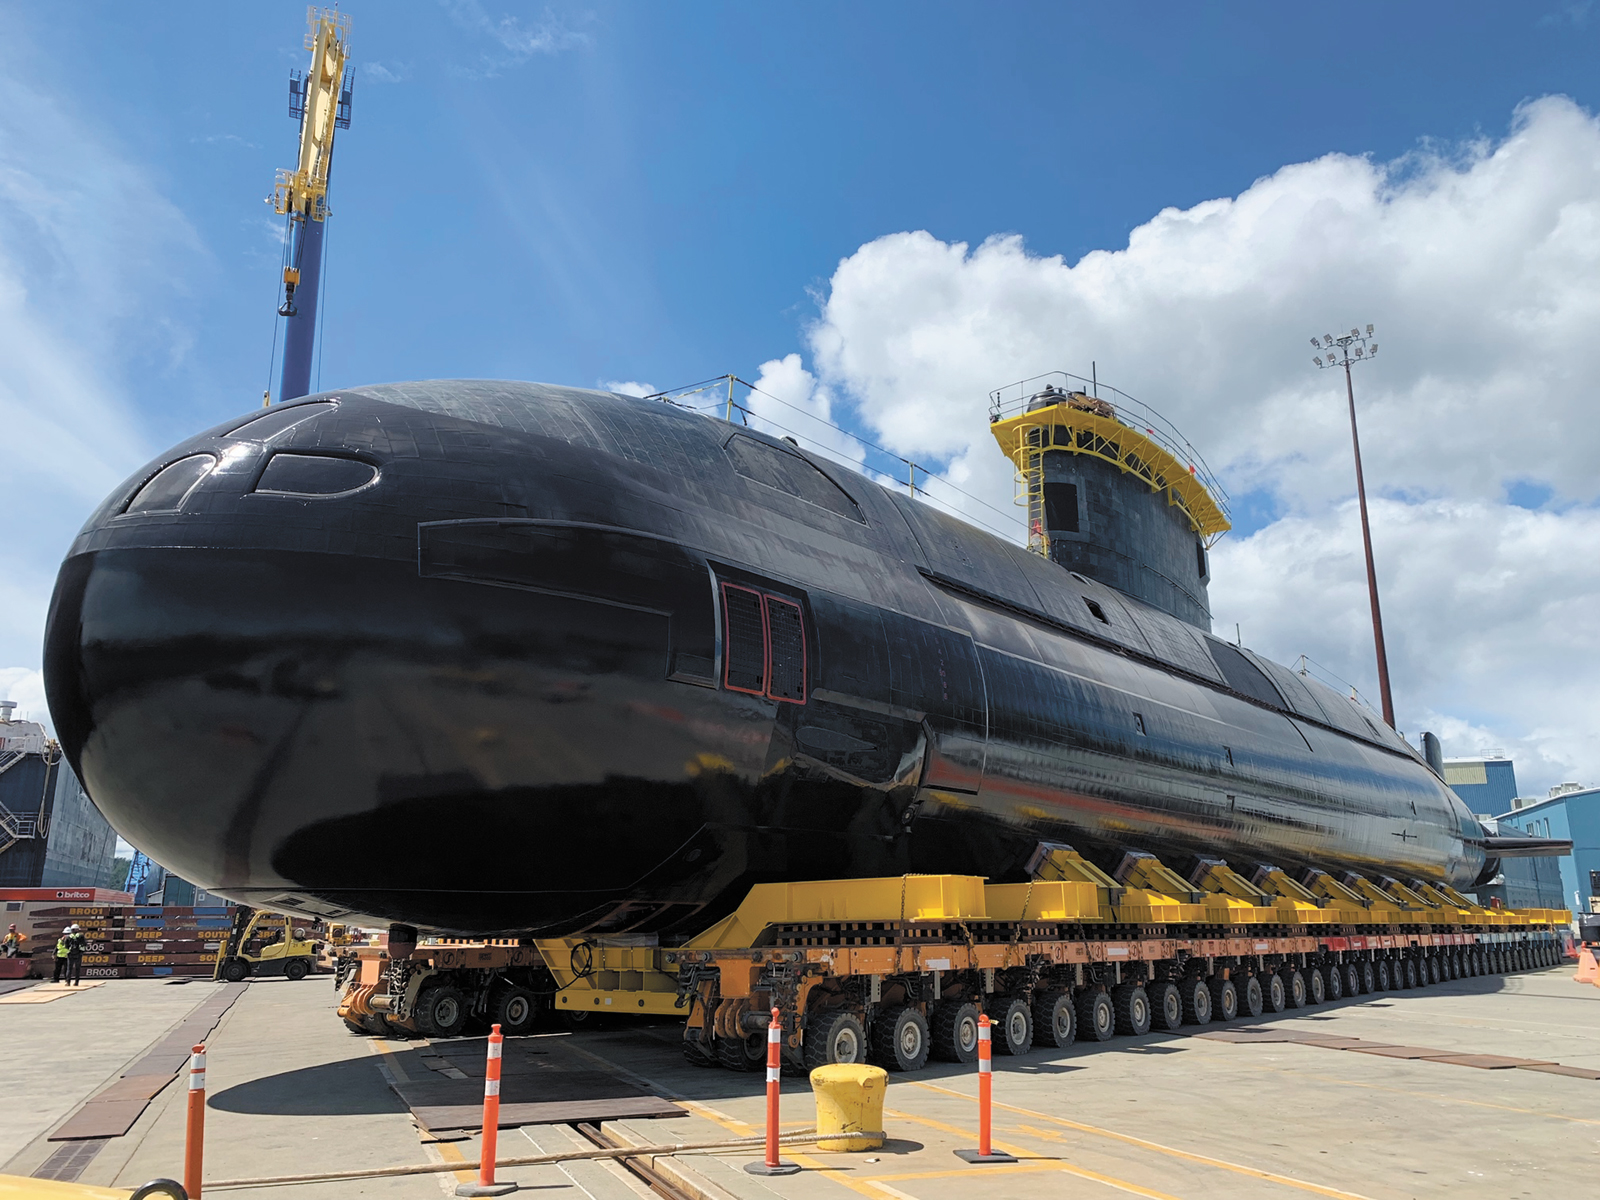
1072 927
890 963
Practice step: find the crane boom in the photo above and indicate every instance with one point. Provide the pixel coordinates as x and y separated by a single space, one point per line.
323 97
321 100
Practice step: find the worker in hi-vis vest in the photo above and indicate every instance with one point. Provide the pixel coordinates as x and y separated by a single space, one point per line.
61 956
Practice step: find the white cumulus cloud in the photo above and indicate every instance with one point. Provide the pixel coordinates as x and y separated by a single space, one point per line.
1477 265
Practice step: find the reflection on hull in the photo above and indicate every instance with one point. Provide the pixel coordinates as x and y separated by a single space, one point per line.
509 685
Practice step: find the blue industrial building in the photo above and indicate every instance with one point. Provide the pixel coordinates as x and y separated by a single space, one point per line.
1487 785
1569 812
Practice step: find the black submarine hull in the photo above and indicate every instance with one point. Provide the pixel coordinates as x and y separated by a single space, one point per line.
492 657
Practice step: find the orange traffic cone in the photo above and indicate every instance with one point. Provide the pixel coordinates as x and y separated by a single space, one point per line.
1587 971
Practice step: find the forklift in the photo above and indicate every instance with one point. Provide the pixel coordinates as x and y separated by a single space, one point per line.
261 944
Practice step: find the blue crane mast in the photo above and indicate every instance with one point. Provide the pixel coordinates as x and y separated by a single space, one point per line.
320 99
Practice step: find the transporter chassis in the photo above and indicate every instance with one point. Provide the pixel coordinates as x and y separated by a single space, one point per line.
897 970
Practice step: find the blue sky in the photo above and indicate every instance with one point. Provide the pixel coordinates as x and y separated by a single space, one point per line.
653 196
660 193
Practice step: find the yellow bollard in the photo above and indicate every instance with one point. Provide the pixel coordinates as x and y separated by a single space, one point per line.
850 1100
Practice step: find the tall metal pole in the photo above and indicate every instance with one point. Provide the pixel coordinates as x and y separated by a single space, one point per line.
1372 570
1345 359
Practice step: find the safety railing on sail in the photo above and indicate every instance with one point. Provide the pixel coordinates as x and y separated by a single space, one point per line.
1013 399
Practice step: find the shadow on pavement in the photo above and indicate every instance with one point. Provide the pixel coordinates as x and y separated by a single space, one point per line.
349 1087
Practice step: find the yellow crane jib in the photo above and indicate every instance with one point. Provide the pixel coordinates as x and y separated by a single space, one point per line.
321 99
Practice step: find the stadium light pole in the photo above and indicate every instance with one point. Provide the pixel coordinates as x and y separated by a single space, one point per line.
1352 348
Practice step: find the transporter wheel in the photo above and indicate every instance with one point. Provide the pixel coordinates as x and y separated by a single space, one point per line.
900 1040
1055 1019
1166 1002
1133 1009
1492 962
1251 1001
1335 974
513 1008
1385 980
1410 967
235 970
1013 1033
834 1035
1097 1019
441 1011
694 1051
1316 986
1435 971
1397 974
1223 999
296 969
1274 993
1294 989
953 1035
748 1053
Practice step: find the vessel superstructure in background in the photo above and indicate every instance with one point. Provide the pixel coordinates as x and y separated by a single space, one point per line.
50 832
496 656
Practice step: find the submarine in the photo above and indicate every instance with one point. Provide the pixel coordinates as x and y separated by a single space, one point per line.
511 658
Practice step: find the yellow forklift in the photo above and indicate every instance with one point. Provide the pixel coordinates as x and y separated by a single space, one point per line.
261 944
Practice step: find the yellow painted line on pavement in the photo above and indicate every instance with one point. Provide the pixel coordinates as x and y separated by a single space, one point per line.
1172 1151
1031 1161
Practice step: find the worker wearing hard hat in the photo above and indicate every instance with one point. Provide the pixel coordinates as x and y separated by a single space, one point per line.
11 944
61 953
77 943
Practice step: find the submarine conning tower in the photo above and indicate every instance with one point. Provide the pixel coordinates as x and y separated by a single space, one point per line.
1112 490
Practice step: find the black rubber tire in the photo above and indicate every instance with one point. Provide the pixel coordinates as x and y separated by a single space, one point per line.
1413 977
356 1027
1294 988
515 1009
1166 1005
900 1039
1133 1009
1055 1019
296 969
834 1035
1097 1017
1251 1001
1013 1032
953 1032
1369 977
748 1053
1199 1007
696 1056
1316 986
1274 994
235 970
1352 979
1435 970
1224 998
377 1025
441 1011
1385 979
1335 985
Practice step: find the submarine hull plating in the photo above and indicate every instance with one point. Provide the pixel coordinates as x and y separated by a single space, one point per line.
559 660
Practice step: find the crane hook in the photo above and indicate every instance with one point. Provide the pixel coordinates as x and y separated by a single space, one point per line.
291 279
